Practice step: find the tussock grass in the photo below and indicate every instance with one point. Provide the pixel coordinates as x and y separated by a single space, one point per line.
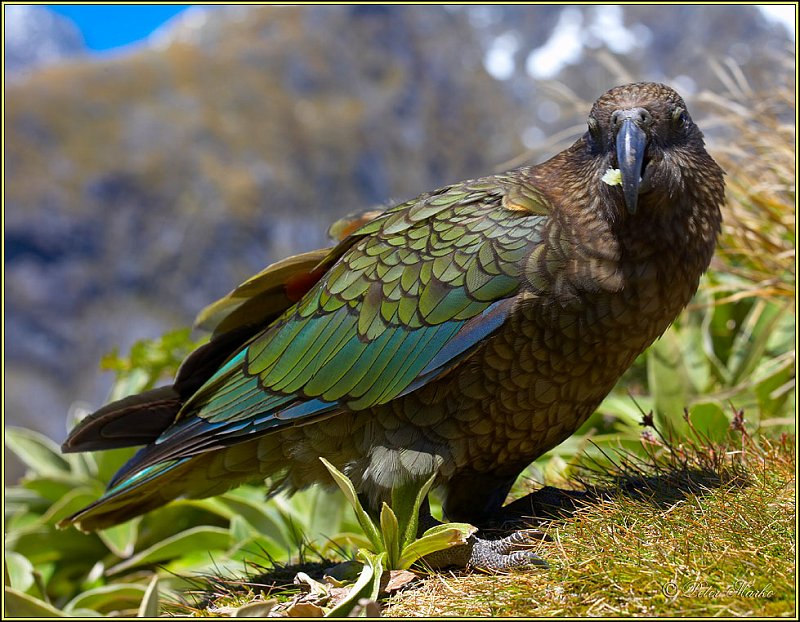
724 547
756 149
689 528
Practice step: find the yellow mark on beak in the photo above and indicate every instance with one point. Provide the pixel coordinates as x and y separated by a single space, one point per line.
612 177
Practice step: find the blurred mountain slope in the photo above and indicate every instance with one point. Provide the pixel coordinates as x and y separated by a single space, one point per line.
35 36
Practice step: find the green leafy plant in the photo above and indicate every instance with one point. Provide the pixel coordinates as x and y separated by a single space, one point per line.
51 571
395 533
148 361
367 587
392 541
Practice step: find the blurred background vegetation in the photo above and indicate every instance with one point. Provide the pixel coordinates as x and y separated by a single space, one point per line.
141 187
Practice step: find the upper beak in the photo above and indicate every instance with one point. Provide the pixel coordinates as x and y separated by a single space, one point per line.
631 144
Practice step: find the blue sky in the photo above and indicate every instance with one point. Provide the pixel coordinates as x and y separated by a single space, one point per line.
107 26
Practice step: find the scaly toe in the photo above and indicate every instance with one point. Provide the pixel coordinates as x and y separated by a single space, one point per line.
507 553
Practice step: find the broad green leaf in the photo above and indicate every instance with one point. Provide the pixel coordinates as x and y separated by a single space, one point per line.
150 605
710 421
717 339
782 337
42 575
18 571
390 531
203 562
19 500
82 466
43 544
751 340
349 491
667 379
70 503
406 502
106 598
36 451
20 605
316 514
775 386
624 408
240 529
53 487
194 539
695 362
367 586
263 517
324 512
121 539
60 578
95 577
173 519
436 539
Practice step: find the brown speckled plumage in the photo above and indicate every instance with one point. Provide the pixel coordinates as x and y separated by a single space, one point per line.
508 307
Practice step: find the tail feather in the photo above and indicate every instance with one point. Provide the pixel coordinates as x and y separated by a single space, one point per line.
135 420
129 499
145 483
140 419
139 492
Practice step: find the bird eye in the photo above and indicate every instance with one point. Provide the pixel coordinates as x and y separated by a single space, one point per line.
679 116
594 128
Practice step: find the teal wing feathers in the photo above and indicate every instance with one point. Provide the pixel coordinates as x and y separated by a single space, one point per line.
415 290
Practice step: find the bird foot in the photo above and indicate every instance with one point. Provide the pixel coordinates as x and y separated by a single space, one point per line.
508 553
505 554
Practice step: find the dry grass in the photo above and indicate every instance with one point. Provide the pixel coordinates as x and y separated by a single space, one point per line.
691 529
758 242
723 550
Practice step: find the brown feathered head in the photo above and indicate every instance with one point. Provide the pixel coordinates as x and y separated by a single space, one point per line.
644 141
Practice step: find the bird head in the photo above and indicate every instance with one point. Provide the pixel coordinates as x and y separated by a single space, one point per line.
644 131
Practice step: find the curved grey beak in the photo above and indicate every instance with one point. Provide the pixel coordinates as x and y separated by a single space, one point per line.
631 144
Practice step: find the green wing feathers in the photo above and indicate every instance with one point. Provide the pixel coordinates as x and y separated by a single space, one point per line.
411 280
401 300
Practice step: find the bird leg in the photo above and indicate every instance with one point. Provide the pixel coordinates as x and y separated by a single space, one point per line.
506 553
547 502
509 553
512 551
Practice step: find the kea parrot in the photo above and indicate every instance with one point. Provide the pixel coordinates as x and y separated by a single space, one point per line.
460 334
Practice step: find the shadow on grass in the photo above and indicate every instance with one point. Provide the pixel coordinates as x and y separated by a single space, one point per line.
667 473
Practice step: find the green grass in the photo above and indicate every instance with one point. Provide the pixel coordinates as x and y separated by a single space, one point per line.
725 548
692 528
